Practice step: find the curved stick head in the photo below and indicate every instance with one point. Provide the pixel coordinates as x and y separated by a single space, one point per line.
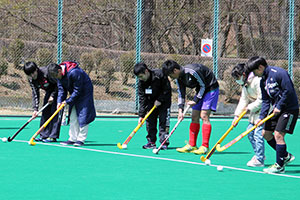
202 158
9 139
119 146
219 148
31 142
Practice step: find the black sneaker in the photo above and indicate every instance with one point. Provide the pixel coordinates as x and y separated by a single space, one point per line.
49 140
78 144
288 159
67 143
149 145
39 139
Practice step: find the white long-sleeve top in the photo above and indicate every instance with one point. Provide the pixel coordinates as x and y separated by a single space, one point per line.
251 98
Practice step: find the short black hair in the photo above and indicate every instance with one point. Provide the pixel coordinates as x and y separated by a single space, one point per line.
169 66
29 68
139 68
238 70
254 62
53 68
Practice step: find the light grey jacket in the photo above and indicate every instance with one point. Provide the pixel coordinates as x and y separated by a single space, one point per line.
250 98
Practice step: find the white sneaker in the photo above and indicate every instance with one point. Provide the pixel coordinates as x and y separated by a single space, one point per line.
255 163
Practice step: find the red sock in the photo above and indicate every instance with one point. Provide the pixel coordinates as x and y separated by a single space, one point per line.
206 130
194 130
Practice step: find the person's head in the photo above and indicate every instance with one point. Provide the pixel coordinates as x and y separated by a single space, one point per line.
238 73
256 65
141 71
55 71
31 70
171 68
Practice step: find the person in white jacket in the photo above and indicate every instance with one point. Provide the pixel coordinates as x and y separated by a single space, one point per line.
250 100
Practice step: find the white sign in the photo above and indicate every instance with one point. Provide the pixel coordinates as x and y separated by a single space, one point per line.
206 47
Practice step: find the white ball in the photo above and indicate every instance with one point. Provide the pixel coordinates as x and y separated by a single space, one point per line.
207 162
155 151
220 168
124 146
4 139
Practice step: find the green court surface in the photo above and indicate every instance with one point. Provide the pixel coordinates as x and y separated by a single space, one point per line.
99 170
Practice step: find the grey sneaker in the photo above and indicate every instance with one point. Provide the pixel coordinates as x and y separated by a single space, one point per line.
274 169
288 159
255 163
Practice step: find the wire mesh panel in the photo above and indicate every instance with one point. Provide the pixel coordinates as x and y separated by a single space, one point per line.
102 36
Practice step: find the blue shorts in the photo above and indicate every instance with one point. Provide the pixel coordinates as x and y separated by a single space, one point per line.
209 101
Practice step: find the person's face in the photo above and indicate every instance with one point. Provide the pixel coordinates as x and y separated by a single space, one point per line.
175 74
240 80
57 75
144 76
33 75
259 72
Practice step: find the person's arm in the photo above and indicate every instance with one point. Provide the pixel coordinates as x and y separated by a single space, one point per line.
35 96
266 101
165 90
181 95
287 89
77 80
256 105
62 92
201 83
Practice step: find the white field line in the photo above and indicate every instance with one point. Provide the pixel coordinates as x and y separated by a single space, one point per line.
159 158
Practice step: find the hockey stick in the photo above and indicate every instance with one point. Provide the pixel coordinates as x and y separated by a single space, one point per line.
9 139
124 145
235 140
31 141
155 151
203 159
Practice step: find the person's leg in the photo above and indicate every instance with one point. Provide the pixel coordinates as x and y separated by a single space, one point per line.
194 127
46 114
164 123
74 126
56 121
151 126
251 137
259 144
83 132
281 152
206 127
193 132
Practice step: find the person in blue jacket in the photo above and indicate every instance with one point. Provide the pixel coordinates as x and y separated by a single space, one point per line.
278 91
72 79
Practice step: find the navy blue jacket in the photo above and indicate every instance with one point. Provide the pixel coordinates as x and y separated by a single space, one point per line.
195 76
79 85
277 90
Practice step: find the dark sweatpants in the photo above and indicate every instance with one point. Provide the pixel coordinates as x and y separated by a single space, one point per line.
163 113
53 128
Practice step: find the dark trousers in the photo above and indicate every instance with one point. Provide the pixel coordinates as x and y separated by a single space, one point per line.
52 130
162 113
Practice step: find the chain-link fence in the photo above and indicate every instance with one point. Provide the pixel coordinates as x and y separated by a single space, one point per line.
103 37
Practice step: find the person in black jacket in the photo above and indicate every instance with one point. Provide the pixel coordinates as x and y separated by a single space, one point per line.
203 80
278 91
38 79
154 89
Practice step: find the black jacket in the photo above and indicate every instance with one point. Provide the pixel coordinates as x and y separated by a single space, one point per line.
44 82
195 76
157 87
